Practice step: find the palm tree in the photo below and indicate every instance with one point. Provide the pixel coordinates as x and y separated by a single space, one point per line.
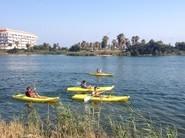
88 46
127 42
56 46
97 45
121 41
135 40
159 42
143 42
105 41
114 44
151 41
46 46
28 46
83 45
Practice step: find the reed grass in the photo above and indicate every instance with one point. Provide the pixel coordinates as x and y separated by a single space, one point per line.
136 125
68 124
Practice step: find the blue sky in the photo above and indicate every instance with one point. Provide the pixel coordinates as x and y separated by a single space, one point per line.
71 21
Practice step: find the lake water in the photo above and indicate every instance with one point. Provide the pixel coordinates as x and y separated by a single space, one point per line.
156 84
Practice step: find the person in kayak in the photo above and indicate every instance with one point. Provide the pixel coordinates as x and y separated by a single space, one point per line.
96 93
31 93
98 70
85 85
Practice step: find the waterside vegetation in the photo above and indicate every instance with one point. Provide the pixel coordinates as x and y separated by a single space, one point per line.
121 46
66 124
44 48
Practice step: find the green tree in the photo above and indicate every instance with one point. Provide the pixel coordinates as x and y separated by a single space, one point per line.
56 46
121 41
83 45
143 42
135 40
46 46
97 45
127 42
114 44
75 48
160 42
180 45
28 46
104 43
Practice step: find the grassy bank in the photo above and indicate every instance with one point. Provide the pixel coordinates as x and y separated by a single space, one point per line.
67 124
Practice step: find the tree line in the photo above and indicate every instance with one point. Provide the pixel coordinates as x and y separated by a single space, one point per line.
134 46
47 48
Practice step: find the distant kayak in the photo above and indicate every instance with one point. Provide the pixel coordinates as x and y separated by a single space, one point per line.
80 89
102 98
101 74
41 99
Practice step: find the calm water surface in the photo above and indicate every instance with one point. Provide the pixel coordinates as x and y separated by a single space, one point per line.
156 84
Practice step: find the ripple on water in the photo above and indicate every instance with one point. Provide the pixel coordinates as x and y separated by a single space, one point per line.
156 85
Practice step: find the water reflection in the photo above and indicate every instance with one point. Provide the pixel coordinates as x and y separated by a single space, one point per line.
93 116
22 65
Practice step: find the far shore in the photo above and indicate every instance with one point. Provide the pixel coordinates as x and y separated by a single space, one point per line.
86 53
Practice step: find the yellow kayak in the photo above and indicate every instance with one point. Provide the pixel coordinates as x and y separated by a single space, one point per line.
80 89
101 74
102 98
40 99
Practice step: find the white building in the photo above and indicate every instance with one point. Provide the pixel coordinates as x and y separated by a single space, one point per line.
10 39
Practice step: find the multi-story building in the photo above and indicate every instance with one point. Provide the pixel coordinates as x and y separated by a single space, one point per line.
10 39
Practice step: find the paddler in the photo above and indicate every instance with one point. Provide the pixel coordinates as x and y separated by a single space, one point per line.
85 85
96 93
98 70
31 93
